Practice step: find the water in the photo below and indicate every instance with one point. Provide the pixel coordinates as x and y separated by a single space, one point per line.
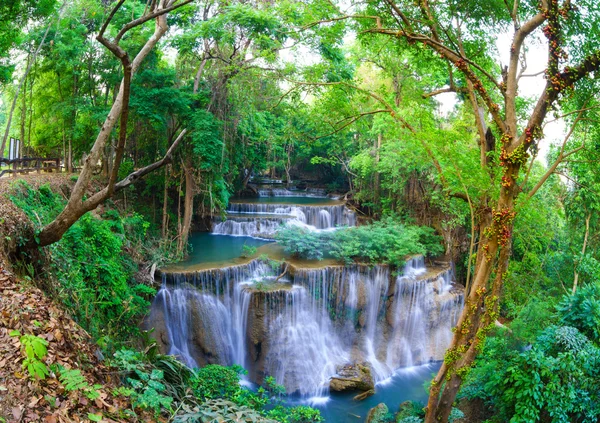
219 250
262 217
303 200
300 321
406 384
303 327
285 192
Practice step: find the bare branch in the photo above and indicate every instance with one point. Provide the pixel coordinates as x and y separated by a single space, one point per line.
138 174
561 156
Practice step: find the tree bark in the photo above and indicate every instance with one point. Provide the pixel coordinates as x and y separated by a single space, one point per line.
165 214
27 70
77 206
188 208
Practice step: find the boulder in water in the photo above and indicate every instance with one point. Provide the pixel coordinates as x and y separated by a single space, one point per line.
377 414
352 377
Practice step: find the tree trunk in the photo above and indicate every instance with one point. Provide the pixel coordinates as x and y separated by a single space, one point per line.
27 70
188 209
377 177
77 206
585 240
481 305
165 214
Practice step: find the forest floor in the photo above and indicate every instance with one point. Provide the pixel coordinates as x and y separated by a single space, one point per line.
26 309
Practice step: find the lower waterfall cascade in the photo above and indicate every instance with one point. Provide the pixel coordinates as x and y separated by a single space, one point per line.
302 327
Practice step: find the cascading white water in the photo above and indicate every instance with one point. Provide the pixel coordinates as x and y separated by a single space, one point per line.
206 312
304 347
320 217
247 226
284 192
319 319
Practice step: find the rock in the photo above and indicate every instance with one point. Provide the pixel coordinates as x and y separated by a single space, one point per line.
364 395
352 377
377 414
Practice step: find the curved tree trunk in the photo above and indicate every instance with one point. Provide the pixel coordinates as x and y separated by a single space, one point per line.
481 305
77 206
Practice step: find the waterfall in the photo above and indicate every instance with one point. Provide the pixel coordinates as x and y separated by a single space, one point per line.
339 214
205 313
302 328
267 218
304 348
284 192
246 226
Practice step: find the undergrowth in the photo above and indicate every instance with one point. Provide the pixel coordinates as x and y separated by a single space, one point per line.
92 268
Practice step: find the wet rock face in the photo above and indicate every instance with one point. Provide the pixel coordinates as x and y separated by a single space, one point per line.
155 321
353 377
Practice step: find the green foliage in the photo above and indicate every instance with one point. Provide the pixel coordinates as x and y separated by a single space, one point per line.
73 380
214 381
35 350
553 379
219 410
302 242
582 310
94 275
387 241
298 414
248 250
155 380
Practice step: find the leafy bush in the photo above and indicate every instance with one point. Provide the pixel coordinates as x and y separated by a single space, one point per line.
94 276
553 379
214 381
582 310
302 242
298 414
155 380
387 241
219 410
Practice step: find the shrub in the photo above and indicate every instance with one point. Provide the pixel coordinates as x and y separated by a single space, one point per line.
387 241
582 310
94 277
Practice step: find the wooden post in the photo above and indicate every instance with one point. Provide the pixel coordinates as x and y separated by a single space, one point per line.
38 165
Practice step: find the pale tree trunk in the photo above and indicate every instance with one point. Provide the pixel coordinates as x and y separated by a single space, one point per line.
377 176
27 70
77 206
585 241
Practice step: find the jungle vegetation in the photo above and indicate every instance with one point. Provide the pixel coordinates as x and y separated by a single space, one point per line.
421 114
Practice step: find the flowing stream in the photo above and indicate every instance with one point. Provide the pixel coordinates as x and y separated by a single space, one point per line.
302 323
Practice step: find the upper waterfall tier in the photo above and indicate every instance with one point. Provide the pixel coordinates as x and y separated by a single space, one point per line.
300 325
285 192
262 218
